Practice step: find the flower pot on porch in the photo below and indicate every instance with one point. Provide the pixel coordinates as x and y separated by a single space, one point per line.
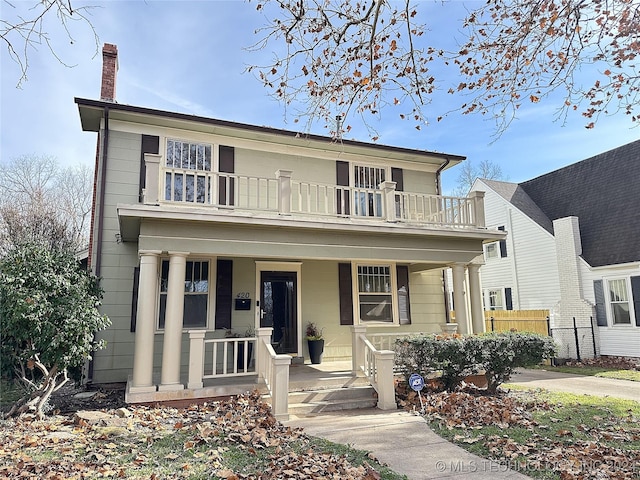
316 348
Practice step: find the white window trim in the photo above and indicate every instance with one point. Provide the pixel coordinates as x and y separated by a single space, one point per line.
486 299
609 304
211 299
394 293
497 251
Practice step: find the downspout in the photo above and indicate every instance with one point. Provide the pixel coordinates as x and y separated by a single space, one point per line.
445 287
98 253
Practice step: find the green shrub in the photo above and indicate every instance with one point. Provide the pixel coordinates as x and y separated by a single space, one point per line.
500 353
454 356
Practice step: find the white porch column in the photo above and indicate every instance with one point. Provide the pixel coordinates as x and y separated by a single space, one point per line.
284 191
357 350
477 312
459 304
142 380
172 342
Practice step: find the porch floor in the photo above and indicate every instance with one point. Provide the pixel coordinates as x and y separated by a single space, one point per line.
302 377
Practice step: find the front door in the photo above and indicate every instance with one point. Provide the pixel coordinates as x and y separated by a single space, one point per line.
278 309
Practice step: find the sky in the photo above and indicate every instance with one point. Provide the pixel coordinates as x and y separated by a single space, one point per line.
191 56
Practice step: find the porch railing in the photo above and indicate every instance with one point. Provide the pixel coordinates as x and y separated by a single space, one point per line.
282 195
273 369
218 358
376 365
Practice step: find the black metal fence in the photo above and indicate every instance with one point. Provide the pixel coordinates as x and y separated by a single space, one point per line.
572 336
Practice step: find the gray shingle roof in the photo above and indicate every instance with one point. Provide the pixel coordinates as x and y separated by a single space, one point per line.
515 194
604 193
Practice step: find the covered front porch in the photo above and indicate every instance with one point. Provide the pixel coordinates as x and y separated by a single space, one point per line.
228 370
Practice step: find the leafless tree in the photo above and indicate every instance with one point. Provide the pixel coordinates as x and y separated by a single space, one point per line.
340 57
26 25
41 200
468 172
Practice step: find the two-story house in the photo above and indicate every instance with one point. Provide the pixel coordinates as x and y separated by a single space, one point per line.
204 226
572 247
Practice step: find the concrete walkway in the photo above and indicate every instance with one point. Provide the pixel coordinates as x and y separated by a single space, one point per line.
579 384
409 447
404 442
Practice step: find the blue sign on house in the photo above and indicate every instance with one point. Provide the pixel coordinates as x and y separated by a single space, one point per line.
416 382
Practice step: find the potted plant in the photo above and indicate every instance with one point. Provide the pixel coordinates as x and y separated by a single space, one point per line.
315 343
249 333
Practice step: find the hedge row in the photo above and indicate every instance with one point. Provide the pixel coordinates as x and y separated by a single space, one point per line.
498 354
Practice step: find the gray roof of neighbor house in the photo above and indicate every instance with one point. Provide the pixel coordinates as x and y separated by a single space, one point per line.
602 191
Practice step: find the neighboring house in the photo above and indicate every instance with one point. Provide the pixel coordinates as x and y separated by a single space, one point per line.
572 247
202 225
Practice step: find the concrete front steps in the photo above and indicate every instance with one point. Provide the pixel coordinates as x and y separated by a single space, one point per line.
310 402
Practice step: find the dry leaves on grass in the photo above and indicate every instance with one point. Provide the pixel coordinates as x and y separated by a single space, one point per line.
471 409
120 444
550 448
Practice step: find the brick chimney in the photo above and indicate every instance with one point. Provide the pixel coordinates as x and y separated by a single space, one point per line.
109 71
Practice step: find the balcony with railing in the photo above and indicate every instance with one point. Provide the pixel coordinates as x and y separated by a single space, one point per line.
284 195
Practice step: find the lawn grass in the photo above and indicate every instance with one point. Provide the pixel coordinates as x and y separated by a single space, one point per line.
632 375
566 426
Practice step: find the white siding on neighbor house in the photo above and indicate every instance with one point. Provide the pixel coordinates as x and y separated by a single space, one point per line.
530 268
623 340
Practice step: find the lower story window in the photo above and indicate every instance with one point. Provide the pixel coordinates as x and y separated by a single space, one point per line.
619 299
495 301
196 293
374 293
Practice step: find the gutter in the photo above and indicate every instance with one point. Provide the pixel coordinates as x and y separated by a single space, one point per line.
440 169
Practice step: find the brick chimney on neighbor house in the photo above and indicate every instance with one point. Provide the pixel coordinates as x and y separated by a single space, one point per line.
109 71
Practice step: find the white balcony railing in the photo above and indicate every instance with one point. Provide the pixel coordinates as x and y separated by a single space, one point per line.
285 196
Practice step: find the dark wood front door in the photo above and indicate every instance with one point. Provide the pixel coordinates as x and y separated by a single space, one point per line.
278 309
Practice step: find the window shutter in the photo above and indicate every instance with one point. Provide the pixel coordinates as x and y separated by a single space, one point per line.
342 180
226 164
346 293
134 298
150 144
503 245
635 292
508 301
404 305
398 177
224 274
601 310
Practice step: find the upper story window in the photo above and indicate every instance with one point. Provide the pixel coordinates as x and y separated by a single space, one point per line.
491 250
496 249
185 177
368 203
619 301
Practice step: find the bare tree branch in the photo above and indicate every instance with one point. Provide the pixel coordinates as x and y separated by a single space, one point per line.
23 29
361 56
